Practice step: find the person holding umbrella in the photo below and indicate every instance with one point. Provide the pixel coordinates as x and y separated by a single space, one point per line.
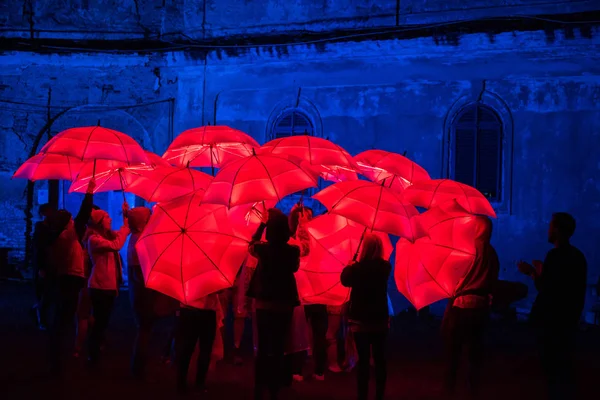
369 314
67 259
469 309
41 278
103 246
273 286
148 305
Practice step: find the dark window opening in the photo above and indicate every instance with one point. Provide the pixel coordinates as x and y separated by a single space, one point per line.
477 132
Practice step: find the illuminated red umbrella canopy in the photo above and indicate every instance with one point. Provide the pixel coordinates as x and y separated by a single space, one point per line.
334 241
247 217
168 183
188 251
370 204
90 143
209 146
332 173
110 175
433 192
257 178
314 150
156 161
49 166
426 272
398 171
445 220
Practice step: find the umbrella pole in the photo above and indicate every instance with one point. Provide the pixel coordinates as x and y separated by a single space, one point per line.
212 164
94 170
362 237
122 188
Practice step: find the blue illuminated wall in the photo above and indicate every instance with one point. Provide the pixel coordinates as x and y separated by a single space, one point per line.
395 93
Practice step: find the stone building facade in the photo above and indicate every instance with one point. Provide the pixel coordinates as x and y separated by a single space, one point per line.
404 76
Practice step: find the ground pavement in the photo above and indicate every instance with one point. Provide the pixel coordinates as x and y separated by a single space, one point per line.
415 367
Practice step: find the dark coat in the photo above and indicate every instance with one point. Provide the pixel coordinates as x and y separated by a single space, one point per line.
368 298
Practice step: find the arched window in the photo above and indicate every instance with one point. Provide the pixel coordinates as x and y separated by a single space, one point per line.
477 148
292 123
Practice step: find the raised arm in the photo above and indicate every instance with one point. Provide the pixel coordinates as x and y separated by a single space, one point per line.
99 244
256 238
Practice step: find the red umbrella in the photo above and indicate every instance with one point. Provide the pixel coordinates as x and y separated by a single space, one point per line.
314 150
188 251
334 240
109 174
426 272
372 205
433 192
90 143
443 221
168 183
247 217
257 178
209 146
49 166
156 160
333 173
398 171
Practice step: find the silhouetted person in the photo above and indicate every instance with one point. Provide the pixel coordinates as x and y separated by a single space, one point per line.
273 286
42 272
316 314
148 305
468 311
369 314
561 284
68 260
197 324
103 247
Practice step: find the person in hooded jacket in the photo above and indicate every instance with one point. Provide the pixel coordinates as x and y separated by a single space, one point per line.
68 260
273 286
148 305
369 314
103 246
468 310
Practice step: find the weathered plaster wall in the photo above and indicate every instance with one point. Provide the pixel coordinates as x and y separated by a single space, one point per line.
390 94
167 19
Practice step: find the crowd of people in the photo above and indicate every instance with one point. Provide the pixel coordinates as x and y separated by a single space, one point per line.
79 272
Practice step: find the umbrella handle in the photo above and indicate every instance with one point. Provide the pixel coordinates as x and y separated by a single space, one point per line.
212 164
362 237
122 188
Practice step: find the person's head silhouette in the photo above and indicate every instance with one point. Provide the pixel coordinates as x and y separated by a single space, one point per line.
562 227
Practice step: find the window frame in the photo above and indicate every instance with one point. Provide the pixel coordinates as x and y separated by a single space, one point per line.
476 126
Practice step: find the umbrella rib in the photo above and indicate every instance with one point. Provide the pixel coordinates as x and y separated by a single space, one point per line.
157 233
449 219
161 182
435 191
181 269
346 195
210 259
270 179
122 145
234 178
87 142
161 253
466 197
434 280
326 290
377 208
